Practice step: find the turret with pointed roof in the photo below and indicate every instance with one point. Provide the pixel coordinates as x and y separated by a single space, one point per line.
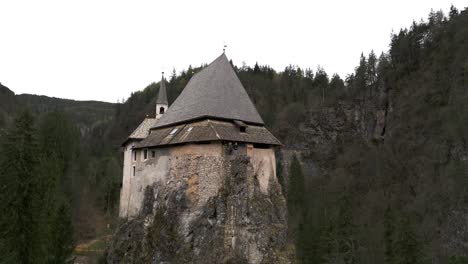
161 102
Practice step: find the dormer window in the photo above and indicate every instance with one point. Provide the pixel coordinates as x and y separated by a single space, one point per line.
161 110
241 125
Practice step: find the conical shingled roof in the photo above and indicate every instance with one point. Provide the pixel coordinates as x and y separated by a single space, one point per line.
162 95
215 92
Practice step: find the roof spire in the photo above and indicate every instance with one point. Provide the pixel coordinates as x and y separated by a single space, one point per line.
162 95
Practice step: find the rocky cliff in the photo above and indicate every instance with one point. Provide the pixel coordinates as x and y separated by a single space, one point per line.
190 220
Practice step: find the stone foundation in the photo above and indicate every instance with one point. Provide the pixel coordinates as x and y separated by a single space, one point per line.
195 204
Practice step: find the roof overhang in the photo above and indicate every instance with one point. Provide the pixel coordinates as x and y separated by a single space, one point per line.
208 130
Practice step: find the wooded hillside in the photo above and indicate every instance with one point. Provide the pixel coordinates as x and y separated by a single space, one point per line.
375 164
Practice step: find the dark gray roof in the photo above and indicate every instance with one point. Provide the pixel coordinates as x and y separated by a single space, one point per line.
142 130
162 95
216 92
207 130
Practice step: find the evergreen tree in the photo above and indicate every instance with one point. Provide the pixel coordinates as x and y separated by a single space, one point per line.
295 188
337 86
389 236
407 248
61 246
58 140
341 242
22 195
321 81
371 73
296 208
111 185
360 77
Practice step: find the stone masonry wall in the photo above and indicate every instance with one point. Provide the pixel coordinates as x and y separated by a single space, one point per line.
208 208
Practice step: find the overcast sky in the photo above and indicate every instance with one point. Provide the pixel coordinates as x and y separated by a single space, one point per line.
104 50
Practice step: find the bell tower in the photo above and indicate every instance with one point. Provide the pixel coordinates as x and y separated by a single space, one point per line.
161 102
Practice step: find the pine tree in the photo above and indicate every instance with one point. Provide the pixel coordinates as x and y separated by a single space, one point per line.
296 202
340 239
58 143
296 191
371 73
21 195
407 248
389 235
360 77
61 243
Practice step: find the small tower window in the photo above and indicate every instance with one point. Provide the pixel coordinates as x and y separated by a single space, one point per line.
153 154
134 155
134 170
145 154
161 110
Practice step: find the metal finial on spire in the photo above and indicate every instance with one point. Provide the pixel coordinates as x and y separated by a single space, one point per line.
224 48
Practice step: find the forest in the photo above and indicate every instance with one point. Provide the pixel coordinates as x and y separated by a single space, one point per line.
374 165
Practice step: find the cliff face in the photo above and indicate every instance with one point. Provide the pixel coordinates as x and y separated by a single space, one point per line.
195 218
391 166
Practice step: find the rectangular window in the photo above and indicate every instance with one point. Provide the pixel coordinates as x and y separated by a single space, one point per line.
134 170
261 146
134 155
153 154
145 154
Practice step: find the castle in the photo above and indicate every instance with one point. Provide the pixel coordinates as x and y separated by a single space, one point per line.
211 120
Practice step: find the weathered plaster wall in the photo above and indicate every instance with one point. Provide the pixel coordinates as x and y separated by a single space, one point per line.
126 177
158 110
147 172
202 163
173 161
264 164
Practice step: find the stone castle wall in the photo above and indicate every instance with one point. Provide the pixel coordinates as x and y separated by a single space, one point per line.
204 204
203 163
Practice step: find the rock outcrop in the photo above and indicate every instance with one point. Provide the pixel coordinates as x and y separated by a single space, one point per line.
195 219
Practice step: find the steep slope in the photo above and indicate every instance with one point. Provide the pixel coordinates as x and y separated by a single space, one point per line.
8 104
87 115
387 167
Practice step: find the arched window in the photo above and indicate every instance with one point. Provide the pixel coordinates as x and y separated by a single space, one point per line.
161 110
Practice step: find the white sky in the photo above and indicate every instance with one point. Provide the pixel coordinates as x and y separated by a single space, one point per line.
104 50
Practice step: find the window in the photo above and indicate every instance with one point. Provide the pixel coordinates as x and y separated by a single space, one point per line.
241 125
202 142
134 155
145 154
261 146
161 110
153 154
134 170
